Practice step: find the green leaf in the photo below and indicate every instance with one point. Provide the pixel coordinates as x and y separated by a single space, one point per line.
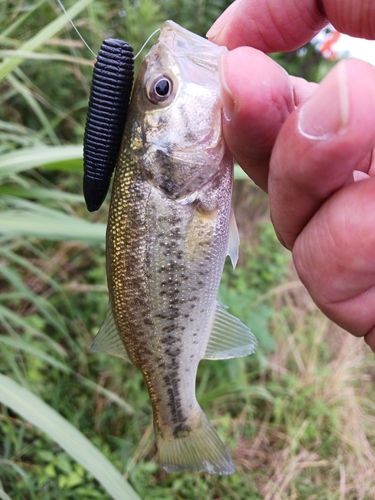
38 413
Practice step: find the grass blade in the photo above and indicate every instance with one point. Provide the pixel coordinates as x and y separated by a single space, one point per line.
43 305
69 158
3 495
9 64
21 19
10 319
41 194
20 345
27 219
46 56
38 413
60 227
34 105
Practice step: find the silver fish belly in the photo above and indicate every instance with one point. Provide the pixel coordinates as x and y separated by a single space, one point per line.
169 230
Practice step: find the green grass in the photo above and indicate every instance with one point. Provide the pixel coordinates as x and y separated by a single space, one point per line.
298 416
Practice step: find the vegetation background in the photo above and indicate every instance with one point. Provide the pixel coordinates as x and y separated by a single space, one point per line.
298 416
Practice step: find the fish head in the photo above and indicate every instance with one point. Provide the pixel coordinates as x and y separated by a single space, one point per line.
175 114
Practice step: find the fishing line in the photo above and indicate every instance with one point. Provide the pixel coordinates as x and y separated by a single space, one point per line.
84 41
74 26
146 42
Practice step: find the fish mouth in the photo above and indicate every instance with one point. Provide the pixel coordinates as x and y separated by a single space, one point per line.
181 42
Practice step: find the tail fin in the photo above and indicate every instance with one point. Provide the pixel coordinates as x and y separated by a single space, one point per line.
199 449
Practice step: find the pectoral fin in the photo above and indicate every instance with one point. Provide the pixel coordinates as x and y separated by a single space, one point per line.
108 339
234 240
229 337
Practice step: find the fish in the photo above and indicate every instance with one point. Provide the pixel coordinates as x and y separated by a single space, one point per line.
170 228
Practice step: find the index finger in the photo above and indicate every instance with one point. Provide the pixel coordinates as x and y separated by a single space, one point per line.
284 26
268 26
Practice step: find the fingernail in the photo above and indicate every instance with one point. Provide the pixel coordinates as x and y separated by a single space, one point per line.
227 98
222 21
327 110
360 176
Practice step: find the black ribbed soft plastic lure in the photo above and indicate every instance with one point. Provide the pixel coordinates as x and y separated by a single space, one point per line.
109 101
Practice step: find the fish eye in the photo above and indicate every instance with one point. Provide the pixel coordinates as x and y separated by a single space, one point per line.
160 89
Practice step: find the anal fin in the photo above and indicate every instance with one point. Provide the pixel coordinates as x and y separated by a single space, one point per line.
229 337
108 339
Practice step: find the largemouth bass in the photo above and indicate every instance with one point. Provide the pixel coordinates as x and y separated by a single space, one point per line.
170 228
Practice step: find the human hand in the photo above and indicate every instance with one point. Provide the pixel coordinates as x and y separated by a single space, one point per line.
311 147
